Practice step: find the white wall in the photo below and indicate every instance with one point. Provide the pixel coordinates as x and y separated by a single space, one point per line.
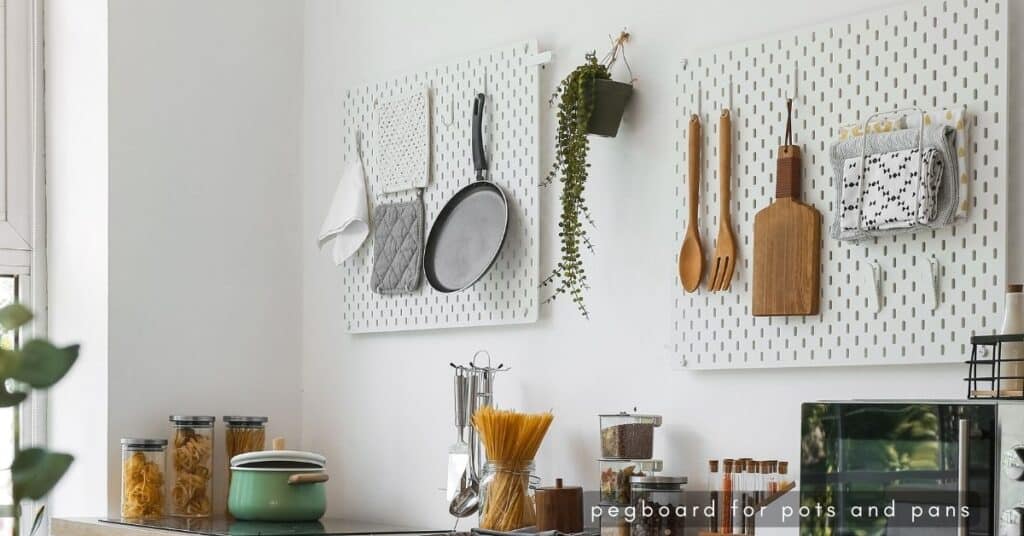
204 191
379 406
203 236
76 148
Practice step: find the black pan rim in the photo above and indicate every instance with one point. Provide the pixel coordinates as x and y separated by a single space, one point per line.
428 250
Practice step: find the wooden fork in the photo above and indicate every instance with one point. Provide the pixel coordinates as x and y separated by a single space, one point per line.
725 245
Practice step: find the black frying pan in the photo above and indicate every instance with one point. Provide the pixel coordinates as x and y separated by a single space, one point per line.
468 233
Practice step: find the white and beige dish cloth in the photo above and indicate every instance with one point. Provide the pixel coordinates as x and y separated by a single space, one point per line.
347 223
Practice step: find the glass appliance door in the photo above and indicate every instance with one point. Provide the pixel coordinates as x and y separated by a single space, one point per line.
894 468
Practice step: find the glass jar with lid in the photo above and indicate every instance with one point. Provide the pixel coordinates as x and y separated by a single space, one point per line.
143 462
628 435
615 475
506 494
191 467
243 435
659 505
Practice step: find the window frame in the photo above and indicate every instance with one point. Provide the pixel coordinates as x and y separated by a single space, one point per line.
23 189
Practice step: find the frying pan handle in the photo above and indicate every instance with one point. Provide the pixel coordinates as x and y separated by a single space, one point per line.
479 159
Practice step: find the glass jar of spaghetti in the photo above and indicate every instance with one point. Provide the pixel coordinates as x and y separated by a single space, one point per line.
506 492
242 435
142 477
191 467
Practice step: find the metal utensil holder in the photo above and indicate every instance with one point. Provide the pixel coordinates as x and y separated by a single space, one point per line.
481 394
985 368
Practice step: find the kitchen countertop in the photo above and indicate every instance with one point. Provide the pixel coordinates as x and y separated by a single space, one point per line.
220 526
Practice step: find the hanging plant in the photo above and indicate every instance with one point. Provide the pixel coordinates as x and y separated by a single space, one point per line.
589 102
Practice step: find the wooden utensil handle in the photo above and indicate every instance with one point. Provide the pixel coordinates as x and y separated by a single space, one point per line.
694 172
789 171
307 478
725 161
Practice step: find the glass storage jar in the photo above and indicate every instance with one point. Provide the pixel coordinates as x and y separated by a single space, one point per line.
242 435
615 475
191 467
143 462
628 435
506 494
659 505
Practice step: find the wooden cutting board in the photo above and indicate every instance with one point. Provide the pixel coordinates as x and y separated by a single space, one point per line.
787 247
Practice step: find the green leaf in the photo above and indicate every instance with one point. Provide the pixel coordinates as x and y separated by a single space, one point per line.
36 471
43 364
14 316
38 521
10 399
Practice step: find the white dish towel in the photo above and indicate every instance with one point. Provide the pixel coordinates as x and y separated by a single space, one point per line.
348 219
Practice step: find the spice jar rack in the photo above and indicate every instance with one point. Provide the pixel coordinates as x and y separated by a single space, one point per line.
745 483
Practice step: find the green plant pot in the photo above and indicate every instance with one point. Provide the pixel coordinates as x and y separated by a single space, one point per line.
266 495
610 98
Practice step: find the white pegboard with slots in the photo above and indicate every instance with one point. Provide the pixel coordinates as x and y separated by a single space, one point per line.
934 55
508 294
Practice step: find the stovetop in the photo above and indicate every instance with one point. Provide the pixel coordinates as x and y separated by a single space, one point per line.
223 526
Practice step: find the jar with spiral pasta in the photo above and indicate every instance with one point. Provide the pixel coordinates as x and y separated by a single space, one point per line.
190 482
143 462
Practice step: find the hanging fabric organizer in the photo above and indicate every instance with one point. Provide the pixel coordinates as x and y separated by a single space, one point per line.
937 286
508 294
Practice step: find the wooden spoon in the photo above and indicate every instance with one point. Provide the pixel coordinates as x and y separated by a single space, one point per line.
691 256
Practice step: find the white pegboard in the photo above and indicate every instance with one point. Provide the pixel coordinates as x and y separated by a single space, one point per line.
934 55
508 294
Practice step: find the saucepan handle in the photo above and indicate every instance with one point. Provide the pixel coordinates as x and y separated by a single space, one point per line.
307 478
479 159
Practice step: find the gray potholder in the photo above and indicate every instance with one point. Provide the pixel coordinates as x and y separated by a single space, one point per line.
397 247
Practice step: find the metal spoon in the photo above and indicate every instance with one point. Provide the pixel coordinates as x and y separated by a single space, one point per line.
467 502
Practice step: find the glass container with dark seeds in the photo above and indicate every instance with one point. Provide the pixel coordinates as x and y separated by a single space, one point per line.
659 505
628 436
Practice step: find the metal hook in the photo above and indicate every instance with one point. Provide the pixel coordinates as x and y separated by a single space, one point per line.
359 143
796 77
730 92
451 114
700 98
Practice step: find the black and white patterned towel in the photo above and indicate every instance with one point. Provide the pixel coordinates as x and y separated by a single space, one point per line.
898 190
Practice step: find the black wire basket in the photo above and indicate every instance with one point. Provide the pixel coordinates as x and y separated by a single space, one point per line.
988 377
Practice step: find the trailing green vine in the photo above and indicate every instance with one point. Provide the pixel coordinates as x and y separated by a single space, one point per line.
575 100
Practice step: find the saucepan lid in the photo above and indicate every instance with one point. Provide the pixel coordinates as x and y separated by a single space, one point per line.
278 460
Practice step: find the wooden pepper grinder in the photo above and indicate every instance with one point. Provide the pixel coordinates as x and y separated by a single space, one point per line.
560 508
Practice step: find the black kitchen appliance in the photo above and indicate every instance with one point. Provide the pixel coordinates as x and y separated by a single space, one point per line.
938 459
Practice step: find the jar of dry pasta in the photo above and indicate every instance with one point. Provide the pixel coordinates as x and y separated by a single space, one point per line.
242 435
190 482
142 477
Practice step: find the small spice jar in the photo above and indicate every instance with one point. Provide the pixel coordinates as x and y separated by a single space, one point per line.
627 435
143 462
191 467
662 498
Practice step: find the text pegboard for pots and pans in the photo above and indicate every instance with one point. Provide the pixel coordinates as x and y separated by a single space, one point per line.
933 55
508 294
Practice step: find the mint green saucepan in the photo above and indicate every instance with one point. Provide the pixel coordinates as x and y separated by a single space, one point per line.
277 485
